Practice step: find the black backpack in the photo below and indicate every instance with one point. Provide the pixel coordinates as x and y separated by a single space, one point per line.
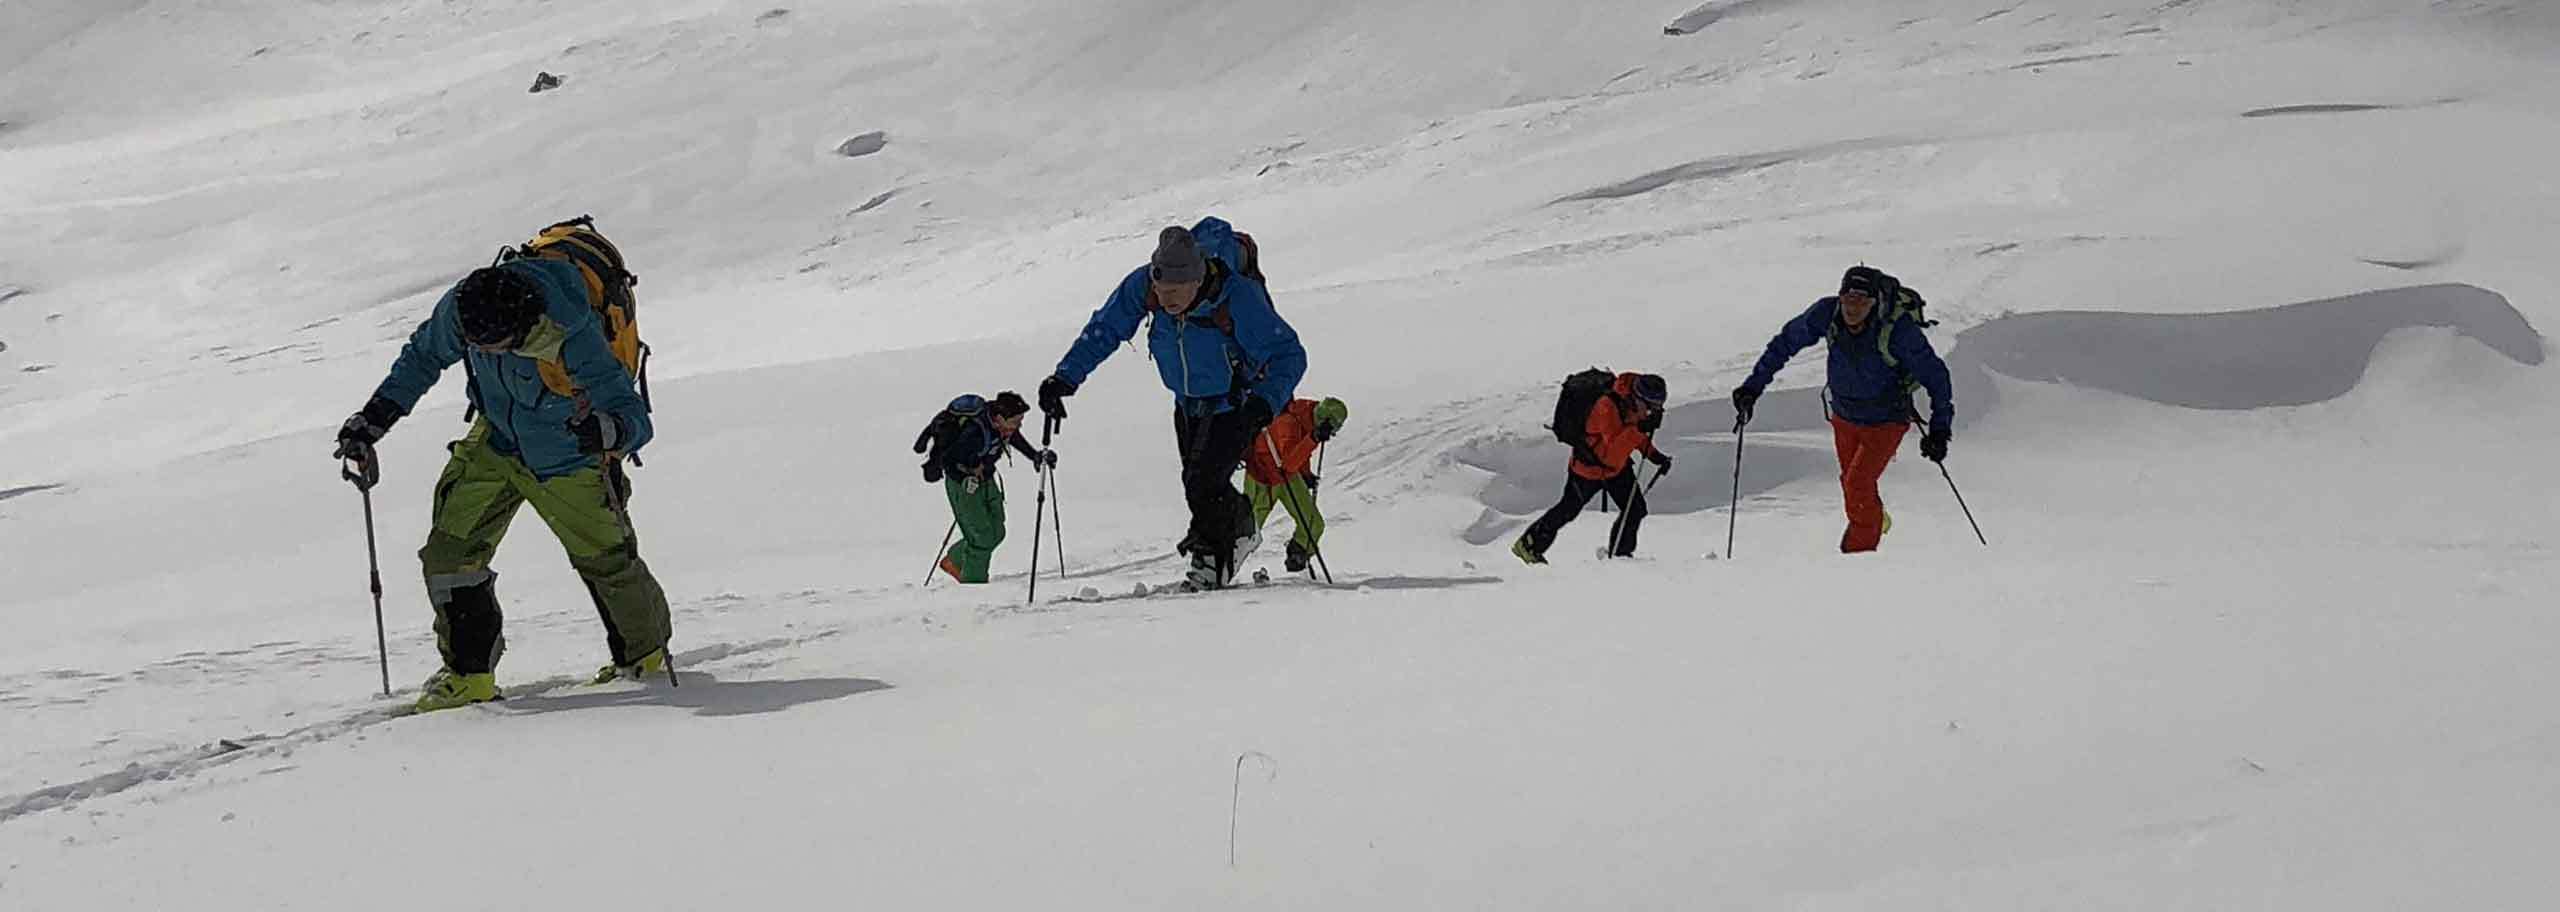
935 440
1582 390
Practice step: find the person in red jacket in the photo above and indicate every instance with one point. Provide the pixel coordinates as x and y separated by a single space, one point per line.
1620 425
1276 470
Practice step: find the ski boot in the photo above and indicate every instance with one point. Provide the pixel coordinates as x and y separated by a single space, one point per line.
447 689
951 568
1297 560
1203 575
654 663
1520 549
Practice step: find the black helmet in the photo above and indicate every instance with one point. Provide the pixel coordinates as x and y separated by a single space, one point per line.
496 306
1650 390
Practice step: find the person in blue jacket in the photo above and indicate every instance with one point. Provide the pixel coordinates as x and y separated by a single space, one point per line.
556 412
1878 354
1227 356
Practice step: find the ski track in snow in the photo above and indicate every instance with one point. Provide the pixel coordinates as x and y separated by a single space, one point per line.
541 695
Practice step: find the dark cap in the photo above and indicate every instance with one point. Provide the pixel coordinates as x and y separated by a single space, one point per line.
496 306
1177 258
1867 280
1008 404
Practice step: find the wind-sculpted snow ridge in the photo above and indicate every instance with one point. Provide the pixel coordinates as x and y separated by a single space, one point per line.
2296 354
1708 14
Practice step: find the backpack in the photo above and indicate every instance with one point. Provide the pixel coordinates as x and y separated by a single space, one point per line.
935 440
1582 391
609 283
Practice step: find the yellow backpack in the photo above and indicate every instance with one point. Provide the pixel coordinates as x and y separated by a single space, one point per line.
609 284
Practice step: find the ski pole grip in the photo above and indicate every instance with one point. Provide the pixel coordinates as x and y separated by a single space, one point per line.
361 468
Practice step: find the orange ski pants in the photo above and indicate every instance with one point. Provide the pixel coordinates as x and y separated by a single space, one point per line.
1865 449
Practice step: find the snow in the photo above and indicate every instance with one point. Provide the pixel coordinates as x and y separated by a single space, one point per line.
2249 303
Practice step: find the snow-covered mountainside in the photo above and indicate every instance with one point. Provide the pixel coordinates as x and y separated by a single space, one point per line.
2247 303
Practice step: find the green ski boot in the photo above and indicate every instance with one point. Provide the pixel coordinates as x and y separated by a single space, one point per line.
651 664
447 689
1520 549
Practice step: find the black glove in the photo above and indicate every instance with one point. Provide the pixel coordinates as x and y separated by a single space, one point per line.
1744 398
1661 460
1048 458
1934 444
1256 412
1311 483
366 427
1053 396
597 433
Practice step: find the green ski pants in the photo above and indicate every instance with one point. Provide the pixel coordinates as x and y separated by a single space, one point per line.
1295 497
476 498
979 507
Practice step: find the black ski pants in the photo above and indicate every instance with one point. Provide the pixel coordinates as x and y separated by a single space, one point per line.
1212 447
1622 491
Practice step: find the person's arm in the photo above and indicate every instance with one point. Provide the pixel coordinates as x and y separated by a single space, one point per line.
606 382
1115 322
1797 335
1911 348
434 346
1267 341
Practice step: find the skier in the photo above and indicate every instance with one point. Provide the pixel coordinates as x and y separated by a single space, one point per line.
1875 361
556 414
969 480
1620 425
1277 472
1227 356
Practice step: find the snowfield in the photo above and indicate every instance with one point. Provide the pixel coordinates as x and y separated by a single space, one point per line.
2249 304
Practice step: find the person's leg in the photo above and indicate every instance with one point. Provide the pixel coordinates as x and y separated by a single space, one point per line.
1866 451
1221 518
1300 501
597 534
1577 491
475 500
981 516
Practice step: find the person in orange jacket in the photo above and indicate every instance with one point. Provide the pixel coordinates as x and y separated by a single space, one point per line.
1276 470
1620 425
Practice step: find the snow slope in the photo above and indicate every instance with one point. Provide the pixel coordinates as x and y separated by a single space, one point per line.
2263 624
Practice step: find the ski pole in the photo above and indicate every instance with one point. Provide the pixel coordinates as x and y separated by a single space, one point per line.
1303 510
1968 511
1734 512
363 469
1618 532
1040 511
1057 523
939 552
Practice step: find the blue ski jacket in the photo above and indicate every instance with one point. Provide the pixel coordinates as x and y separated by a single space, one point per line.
527 419
1230 345
1864 389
